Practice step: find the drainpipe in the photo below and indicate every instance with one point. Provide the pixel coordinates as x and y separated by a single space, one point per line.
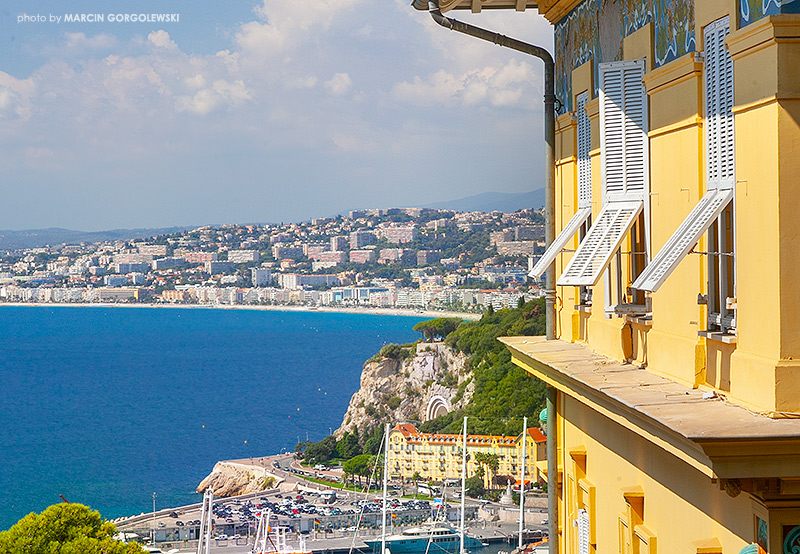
549 134
552 469
549 211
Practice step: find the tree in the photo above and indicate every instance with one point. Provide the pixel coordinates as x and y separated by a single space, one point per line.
490 462
321 452
475 486
347 447
64 529
415 479
394 352
437 328
360 466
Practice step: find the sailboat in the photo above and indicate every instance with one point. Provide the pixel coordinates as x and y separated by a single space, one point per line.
271 540
429 538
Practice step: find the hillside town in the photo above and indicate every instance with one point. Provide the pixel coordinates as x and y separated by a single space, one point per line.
404 258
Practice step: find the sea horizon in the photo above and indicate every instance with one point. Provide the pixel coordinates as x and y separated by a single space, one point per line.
108 406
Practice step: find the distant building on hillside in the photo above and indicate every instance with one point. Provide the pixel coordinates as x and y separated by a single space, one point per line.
362 256
399 233
215 268
360 239
243 256
339 243
260 276
153 249
281 252
428 257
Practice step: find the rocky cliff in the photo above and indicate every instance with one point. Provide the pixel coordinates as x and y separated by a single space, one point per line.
413 385
233 479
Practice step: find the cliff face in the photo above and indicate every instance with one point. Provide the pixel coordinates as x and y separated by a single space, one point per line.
432 381
232 479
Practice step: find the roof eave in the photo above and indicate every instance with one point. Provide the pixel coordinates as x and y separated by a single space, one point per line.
476 6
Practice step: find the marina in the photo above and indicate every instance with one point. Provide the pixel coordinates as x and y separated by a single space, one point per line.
352 523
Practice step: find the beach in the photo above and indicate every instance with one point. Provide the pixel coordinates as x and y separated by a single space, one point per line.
272 308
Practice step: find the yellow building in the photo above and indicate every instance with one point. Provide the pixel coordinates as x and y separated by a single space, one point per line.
677 185
437 456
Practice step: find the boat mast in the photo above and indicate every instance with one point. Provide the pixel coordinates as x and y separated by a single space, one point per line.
463 482
522 482
385 486
204 544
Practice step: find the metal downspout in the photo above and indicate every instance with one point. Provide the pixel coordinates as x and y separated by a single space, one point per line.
549 212
552 469
549 134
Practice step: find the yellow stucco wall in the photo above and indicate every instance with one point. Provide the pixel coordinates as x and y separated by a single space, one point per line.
678 511
758 370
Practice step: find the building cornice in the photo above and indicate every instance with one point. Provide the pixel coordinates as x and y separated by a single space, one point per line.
714 436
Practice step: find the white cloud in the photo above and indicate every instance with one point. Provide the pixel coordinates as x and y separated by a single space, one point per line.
511 85
260 39
196 81
301 84
161 39
293 16
219 95
441 87
286 26
80 40
339 84
349 143
16 95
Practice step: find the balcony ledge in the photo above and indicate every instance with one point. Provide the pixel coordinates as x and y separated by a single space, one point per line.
713 435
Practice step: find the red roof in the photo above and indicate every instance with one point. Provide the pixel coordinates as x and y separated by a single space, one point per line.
536 434
413 435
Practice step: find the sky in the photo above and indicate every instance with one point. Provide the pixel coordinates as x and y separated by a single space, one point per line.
247 111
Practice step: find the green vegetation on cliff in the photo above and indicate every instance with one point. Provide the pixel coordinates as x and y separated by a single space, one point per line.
503 393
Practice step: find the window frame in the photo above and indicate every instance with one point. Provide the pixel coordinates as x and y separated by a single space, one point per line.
581 220
625 163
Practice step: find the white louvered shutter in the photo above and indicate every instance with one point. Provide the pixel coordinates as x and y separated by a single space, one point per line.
719 123
600 243
560 242
720 166
623 131
584 192
683 239
583 532
584 146
625 158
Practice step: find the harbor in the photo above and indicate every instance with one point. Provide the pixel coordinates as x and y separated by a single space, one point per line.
330 520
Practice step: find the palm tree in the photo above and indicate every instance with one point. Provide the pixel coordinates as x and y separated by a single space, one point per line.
415 479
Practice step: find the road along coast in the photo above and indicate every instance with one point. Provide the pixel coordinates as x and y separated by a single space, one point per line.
328 521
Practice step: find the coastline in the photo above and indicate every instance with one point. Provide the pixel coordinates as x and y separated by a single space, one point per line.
271 308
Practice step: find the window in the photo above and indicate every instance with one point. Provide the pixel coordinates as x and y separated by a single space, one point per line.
634 536
625 175
583 531
715 211
581 220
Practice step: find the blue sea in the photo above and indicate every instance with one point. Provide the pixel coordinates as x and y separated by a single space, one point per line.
108 405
